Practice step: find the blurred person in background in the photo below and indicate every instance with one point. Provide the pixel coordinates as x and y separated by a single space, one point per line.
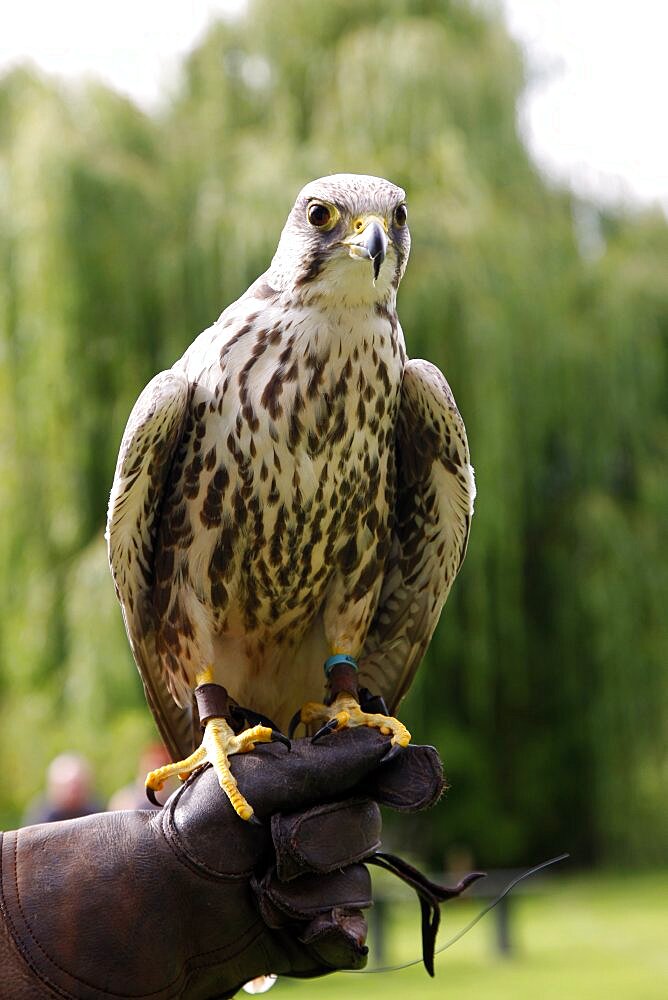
69 791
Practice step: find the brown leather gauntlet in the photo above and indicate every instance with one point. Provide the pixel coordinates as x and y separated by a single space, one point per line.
193 902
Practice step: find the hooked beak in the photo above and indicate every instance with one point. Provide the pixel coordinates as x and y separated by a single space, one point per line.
369 244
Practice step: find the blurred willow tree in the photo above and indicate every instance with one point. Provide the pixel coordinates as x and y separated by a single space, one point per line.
123 235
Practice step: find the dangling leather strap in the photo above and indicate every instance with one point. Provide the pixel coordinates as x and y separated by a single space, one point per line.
430 894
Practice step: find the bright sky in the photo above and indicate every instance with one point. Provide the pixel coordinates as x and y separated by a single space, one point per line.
134 45
595 114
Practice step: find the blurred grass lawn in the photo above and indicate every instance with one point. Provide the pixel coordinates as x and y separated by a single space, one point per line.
574 938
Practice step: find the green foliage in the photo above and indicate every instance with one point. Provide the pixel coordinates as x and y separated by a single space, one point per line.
122 235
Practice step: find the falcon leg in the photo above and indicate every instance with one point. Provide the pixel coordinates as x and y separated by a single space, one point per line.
219 742
344 711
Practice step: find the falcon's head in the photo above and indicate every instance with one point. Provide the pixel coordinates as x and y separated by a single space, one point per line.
346 237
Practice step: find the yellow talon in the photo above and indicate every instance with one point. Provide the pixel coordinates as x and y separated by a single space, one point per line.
348 715
342 719
219 742
153 782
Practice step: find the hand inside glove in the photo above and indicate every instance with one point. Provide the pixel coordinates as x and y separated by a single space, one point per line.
191 902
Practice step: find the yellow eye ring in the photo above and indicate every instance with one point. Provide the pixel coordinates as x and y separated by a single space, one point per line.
321 216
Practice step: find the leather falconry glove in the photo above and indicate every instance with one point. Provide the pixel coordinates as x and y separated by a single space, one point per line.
191 902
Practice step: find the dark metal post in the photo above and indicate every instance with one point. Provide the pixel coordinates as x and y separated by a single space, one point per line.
378 929
503 926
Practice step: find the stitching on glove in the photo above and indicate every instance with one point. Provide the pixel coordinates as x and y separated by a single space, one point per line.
400 798
297 826
172 837
18 942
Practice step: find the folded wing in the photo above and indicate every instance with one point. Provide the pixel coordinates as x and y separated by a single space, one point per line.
147 450
433 507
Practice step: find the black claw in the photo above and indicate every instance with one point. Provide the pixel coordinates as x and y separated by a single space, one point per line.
252 718
150 795
278 737
329 727
294 722
393 752
254 821
372 703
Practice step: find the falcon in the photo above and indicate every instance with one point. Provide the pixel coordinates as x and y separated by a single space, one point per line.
293 491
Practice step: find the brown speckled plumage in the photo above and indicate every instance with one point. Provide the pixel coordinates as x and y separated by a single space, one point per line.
292 485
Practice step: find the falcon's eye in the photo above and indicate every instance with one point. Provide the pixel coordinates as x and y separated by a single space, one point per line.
321 216
400 215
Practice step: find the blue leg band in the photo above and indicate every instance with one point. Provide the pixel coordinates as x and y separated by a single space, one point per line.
332 661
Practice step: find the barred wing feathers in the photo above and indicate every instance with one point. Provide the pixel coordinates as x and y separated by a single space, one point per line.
147 449
435 491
